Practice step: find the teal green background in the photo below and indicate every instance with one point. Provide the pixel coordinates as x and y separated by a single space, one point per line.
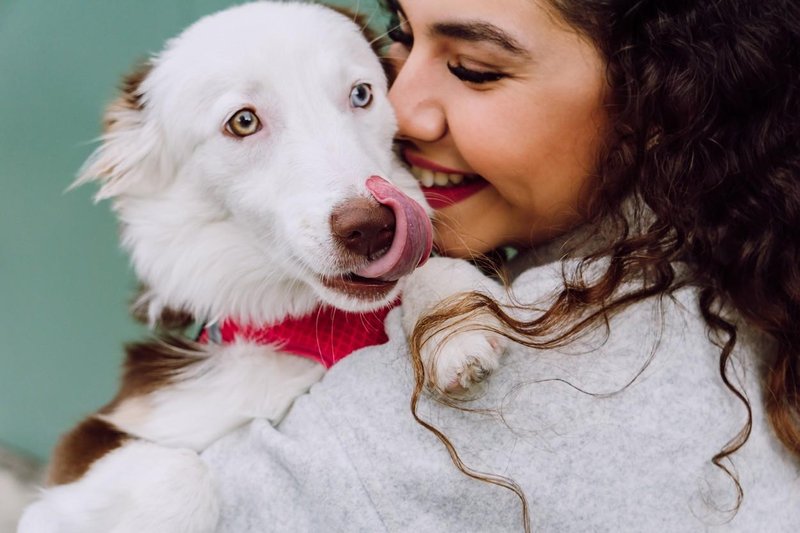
64 284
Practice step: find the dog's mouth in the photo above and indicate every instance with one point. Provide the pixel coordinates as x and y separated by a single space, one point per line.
392 246
361 288
413 234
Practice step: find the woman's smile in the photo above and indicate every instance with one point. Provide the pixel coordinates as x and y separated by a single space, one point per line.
500 117
442 186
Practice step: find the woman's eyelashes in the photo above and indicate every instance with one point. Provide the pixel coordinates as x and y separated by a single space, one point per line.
475 76
398 30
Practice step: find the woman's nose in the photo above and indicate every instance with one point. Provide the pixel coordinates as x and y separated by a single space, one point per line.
415 98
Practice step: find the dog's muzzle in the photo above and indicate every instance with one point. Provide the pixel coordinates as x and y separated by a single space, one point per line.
395 236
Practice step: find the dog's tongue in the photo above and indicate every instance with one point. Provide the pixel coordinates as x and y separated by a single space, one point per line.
413 234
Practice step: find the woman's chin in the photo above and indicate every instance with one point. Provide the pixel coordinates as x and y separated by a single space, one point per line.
471 226
456 236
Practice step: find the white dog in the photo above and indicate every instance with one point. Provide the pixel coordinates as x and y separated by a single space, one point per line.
251 167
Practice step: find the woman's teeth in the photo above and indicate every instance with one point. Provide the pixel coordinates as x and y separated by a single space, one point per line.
429 178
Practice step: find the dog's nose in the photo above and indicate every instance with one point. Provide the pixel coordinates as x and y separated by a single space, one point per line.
363 226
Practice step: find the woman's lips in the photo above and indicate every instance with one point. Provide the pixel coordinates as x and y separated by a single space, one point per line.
443 186
421 162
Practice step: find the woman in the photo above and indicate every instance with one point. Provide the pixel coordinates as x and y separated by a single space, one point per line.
645 157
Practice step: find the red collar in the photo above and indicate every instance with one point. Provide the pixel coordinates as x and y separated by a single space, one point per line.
325 335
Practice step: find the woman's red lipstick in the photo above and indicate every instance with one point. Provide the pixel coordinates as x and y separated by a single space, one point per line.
443 196
421 162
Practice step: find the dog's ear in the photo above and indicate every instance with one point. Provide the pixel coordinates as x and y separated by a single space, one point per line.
129 145
378 42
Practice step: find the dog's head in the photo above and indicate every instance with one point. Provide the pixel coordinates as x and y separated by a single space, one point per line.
251 166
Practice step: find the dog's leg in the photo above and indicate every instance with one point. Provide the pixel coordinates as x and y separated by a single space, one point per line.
138 488
222 389
463 352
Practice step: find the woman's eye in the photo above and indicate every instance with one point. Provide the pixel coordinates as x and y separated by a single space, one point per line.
475 76
361 95
243 123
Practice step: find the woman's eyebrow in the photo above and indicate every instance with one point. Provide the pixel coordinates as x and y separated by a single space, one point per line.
479 32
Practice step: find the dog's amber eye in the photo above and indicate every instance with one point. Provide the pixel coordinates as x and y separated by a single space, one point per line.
243 123
361 95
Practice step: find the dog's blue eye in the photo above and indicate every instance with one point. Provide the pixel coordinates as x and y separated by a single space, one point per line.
361 95
243 123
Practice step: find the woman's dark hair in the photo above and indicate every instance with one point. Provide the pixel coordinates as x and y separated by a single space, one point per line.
705 113
706 110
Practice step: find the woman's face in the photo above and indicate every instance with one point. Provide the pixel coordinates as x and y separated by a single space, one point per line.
503 104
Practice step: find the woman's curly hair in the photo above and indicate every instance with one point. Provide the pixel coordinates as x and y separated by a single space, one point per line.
705 113
706 109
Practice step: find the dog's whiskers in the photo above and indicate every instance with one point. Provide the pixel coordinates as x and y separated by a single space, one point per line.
384 34
363 320
369 20
333 316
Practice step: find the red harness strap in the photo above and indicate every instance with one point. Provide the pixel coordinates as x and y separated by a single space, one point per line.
326 335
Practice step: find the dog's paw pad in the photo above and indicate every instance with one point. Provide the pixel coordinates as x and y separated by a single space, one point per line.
464 361
470 375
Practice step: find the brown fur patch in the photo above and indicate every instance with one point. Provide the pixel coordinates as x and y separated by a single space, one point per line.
175 319
149 366
80 448
153 365
170 320
131 83
130 97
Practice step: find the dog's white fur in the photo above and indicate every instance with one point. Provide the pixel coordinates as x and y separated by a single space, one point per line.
223 227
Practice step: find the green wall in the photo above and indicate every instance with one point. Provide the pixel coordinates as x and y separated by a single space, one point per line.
64 284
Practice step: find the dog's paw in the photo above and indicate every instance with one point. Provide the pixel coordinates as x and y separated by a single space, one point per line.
460 358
